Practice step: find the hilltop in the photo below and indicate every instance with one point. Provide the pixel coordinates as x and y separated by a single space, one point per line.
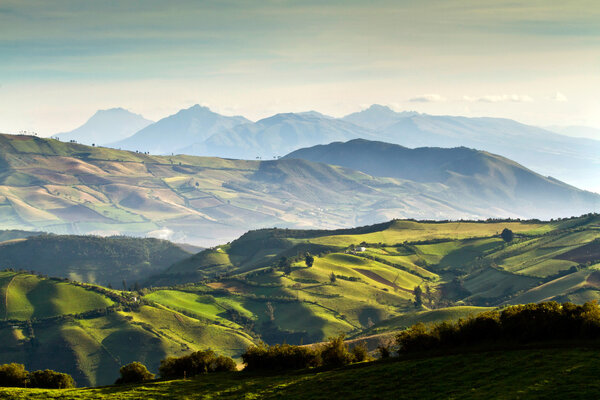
69 188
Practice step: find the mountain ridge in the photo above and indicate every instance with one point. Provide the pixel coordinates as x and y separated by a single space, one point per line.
171 133
106 126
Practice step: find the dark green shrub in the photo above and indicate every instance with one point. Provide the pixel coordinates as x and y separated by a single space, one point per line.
280 357
516 324
360 352
200 362
134 372
13 375
335 352
49 379
223 364
384 351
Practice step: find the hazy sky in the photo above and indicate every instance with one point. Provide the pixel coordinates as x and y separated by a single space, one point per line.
534 61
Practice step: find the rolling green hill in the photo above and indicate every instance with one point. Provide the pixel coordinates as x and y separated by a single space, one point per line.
68 188
89 332
91 259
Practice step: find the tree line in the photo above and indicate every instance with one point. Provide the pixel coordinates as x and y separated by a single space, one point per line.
519 324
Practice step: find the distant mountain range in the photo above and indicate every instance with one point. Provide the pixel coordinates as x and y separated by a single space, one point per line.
200 131
71 188
276 136
170 134
106 126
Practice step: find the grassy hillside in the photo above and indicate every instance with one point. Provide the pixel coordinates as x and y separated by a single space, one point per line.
89 332
526 374
70 188
90 258
459 267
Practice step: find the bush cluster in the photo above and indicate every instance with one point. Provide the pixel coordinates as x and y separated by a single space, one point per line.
134 372
549 321
200 362
15 375
279 357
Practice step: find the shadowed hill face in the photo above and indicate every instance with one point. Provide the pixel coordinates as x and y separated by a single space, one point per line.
470 172
91 259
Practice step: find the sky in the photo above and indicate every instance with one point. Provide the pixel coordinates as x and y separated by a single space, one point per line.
535 61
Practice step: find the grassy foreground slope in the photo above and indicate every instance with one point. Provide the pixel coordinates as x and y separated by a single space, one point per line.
525 374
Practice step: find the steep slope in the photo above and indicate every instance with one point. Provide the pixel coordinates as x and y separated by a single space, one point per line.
276 136
91 259
172 133
106 126
473 175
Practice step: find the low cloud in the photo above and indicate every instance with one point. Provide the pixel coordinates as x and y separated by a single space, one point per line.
164 233
498 98
427 98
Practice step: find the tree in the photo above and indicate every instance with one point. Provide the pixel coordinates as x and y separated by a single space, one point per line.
332 278
285 265
309 260
49 379
335 352
360 352
418 296
134 372
199 362
13 375
507 235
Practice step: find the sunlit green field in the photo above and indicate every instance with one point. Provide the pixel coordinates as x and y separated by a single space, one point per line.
402 231
26 296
